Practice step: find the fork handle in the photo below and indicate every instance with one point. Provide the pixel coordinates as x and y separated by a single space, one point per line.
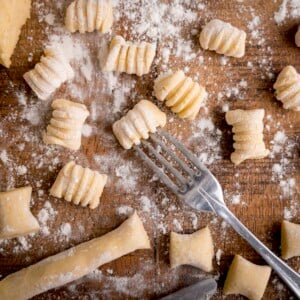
286 273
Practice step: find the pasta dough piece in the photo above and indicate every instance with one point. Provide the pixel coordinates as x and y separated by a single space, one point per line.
223 38
89 15
290 239
195 249
181 94
246 278
297 37
79 185
66 124
75 262
16 218
248 134
145 117
287 88
13 15
49 73
128 57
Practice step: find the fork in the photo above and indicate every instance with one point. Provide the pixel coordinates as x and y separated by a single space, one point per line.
198 188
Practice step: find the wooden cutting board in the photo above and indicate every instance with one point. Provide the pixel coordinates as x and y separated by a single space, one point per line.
263 199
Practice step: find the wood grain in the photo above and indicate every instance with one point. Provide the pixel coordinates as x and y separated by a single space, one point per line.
146 274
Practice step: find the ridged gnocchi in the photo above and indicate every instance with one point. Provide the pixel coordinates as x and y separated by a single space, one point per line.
181 93
89 15
248 134
223 38
128 57
287 88
66 124
143 119
79 185
49 74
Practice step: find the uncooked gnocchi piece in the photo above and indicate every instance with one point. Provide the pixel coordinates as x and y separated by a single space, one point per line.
248 134
66 124
297 37
223 38
76 262
290 239
49 74
194 249
143 119
246 278
287 88
79 185
16 218
89 15
181 93
128 57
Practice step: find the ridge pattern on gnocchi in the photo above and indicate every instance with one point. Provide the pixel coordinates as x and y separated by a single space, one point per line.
89 15
287 88
66 124
181 93
223 38
248 134
128 57
143 119
49 73
79 185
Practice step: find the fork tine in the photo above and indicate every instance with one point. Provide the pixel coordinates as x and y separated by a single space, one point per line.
183 150
180 162
165 163
164 178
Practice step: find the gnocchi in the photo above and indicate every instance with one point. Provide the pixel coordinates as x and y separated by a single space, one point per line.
290 239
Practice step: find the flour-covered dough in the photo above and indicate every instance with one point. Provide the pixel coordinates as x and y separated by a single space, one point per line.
290 239
16 218
194 249
75 262
246 278
13 15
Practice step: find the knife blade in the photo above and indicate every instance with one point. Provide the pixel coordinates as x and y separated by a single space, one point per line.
201 290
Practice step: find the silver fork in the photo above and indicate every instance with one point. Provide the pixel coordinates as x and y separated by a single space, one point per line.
196 185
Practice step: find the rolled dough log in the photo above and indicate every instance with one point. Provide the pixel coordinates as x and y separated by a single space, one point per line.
75 262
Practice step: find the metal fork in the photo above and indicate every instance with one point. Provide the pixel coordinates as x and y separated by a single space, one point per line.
196 185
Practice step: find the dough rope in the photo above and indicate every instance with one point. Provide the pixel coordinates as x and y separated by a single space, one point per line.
128 57
184 96
76 262
194 249
290 239
248 134
16 218
223 38
49 74
89 15
143 119
287 88
79 185
66 124
246 278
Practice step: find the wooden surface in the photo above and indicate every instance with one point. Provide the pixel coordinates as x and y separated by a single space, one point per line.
146 274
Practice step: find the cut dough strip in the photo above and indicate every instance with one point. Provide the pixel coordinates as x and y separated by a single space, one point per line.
75 262
16 218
